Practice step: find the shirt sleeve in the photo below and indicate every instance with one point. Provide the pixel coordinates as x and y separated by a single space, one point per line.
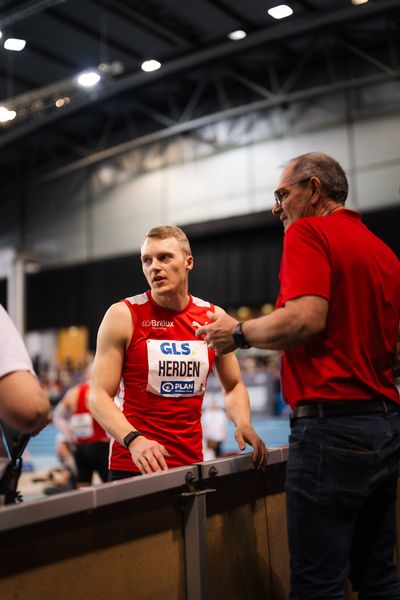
305 267
13 354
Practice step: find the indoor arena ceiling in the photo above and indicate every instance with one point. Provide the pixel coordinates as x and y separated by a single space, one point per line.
55 125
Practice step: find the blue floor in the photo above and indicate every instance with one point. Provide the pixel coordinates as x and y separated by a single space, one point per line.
273 430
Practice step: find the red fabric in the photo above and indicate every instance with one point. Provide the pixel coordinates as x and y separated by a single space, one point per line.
171 421
99 435
338 258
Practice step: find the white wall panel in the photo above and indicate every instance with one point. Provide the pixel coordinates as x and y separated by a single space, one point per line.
377 141
121 217
226 169
378 187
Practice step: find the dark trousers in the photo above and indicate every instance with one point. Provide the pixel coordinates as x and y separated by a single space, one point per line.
341 486
90 458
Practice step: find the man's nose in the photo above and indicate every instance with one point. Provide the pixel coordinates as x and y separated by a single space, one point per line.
276 209
155 265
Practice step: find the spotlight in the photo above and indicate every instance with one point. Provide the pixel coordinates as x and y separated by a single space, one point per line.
14 44
88 79
6 114
280 12
150 65
239 34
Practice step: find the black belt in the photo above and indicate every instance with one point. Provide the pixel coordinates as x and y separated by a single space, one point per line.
342 409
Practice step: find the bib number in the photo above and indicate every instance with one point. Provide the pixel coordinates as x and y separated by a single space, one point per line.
82 425
177 368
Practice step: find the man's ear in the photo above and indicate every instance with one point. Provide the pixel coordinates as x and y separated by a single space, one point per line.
189 262
316 189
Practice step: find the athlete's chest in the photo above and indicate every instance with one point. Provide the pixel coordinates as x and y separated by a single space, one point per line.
174 361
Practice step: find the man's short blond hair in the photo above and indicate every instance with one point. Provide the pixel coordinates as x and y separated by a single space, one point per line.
163 232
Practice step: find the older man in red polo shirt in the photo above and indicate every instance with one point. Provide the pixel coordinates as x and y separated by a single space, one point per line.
337 319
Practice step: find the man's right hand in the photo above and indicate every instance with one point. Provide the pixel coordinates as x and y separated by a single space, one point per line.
148 455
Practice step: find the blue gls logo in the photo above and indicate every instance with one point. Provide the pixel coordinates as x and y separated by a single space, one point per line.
183 388
175 348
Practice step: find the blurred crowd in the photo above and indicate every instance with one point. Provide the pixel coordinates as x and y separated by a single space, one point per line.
57 378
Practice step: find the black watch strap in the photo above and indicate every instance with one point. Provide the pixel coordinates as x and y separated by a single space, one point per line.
128 439
238 337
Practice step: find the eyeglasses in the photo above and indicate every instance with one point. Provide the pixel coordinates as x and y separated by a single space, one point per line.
281 193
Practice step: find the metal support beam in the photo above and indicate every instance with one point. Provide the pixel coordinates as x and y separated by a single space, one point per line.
228 10
153 27
9 17
234 112
251 85
270 35
299 67
154 114
194 99
365 56
196 551
222 94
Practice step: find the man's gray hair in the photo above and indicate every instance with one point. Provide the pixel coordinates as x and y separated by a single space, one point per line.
327 169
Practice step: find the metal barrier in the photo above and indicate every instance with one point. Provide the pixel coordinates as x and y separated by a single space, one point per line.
213 530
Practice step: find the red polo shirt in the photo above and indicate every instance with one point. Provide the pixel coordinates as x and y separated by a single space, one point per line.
338 258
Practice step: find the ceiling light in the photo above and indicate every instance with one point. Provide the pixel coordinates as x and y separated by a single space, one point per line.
14 44
239 34
280 12
88 79
359 1
1 34
150 65
6 115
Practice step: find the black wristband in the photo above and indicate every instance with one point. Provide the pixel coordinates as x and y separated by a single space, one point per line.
128 439
238 337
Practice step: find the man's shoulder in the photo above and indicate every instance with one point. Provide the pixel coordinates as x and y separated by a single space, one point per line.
138 299
304 228
201 303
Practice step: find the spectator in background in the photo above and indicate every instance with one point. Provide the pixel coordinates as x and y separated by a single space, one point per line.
23 404
62 478
89 442
215 429
337 320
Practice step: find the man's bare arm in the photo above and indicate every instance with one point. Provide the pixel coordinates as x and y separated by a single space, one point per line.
23 403
63 412
298 322
237 406
114 335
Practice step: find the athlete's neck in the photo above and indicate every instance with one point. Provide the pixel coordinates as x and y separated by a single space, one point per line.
173 301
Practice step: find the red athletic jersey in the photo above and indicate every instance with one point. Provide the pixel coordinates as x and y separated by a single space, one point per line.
164 378
84 427
338 258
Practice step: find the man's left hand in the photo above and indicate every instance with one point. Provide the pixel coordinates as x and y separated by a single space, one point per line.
218 334
246 434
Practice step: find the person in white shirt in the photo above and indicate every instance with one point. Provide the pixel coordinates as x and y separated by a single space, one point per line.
23 404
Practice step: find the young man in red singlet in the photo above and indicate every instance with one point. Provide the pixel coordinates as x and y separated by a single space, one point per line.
150 370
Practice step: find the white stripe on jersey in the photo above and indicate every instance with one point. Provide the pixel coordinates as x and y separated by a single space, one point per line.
200 302
138 299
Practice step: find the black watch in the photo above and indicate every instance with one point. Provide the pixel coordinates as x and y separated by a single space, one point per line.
238 337
128 439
